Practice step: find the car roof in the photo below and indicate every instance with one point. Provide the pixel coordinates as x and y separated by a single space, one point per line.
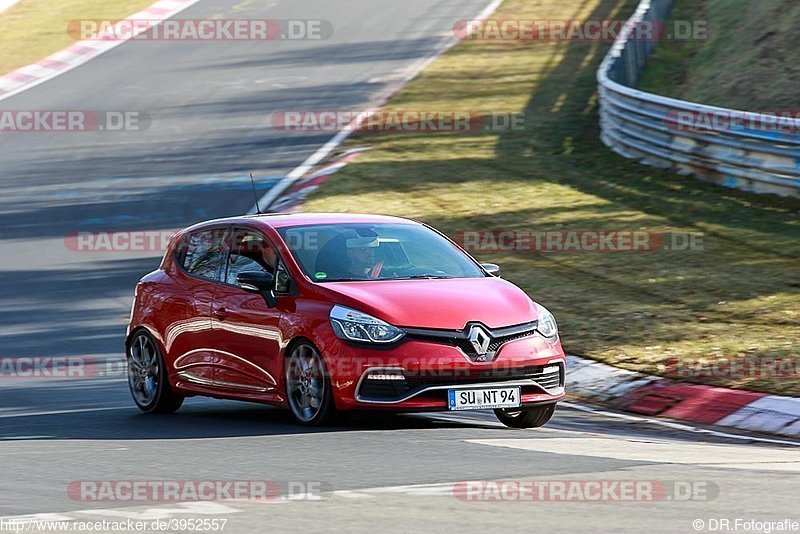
286 220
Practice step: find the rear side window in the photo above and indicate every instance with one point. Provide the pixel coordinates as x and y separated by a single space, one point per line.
203 253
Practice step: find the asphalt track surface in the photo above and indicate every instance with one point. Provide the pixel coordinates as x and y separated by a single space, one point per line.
210 105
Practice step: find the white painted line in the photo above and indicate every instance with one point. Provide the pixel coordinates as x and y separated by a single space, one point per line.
421 490
6 84
598 381
34 70
61 412
101 48
165 511
404 77
65 56
488 419
674 426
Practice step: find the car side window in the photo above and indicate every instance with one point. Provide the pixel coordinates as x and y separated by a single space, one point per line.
283 282
250 251
203 253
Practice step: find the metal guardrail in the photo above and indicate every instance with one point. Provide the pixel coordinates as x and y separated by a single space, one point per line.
664 132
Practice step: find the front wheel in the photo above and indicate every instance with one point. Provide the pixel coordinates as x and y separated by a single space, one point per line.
532 417
308 386
147 376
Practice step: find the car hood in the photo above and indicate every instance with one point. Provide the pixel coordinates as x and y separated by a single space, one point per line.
446 304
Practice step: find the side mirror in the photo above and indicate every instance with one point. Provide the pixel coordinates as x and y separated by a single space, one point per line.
258 282
491 268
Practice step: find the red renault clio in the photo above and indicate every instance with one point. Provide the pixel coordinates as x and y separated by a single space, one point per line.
326 313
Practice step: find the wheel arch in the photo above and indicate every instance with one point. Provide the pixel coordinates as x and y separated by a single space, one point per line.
153 333
326 361
150 330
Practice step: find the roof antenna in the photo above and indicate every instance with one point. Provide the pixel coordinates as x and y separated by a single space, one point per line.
255 195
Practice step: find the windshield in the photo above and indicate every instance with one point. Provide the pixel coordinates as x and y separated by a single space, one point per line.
363 251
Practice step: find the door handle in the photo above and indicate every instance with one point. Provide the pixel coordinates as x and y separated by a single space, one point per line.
220 313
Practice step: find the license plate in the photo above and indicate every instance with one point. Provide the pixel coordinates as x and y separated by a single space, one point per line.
483 399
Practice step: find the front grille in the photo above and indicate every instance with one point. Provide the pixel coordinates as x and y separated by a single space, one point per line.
549 380
460 338
495 344
396 389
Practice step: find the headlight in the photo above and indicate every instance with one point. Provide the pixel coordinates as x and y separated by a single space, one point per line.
354 325
547 323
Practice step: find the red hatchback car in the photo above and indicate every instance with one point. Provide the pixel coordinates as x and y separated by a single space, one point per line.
326 313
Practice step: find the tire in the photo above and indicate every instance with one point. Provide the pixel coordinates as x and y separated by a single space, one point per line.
147 376
532 417
308 386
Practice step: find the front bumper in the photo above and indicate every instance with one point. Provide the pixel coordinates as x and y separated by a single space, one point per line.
416 374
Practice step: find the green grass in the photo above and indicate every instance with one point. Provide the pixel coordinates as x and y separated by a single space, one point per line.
739 296
34 29
749 60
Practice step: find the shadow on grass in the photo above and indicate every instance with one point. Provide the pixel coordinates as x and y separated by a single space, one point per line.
673 299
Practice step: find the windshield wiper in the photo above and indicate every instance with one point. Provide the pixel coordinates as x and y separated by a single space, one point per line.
422 277
412 277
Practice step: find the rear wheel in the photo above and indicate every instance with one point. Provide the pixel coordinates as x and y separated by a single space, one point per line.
147 376
308 386
532 417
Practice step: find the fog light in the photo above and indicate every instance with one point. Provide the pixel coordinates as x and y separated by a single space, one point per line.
551 369
385 376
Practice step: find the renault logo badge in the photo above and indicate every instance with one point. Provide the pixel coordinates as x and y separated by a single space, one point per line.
479 339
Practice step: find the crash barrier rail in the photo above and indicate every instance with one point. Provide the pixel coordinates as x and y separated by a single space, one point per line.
733 148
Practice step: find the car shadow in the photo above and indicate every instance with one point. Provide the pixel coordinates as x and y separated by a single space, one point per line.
200 419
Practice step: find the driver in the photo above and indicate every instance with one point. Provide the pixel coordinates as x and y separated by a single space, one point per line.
269 257
252 254
361 256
